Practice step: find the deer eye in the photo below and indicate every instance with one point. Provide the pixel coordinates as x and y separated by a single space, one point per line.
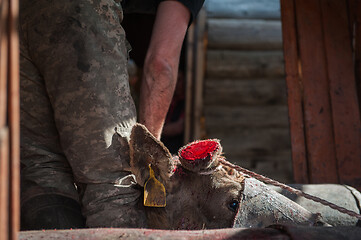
233 205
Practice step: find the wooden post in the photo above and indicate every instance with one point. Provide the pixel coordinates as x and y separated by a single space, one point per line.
317 109
322 89
188 126
199 69
14 120
357 47
194 78
4 184
9 121
3 61
345 109
294 92
4 134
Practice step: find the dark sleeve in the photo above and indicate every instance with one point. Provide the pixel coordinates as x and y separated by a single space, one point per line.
193 5
140 6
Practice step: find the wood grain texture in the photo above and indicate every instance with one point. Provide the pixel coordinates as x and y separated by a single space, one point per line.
317 110
223 117
244 34
4 131
235 92
276 164
3 61
357 48
244 64
250 160
4 183
344 101
188 123
247 140
244 89
199 72
260 9
294 92
14 121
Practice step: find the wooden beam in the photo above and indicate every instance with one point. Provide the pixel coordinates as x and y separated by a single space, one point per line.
150 234
257 141
3 61
243 9
294 92
357 48
225 117
14 120
244 64
4 134
199 68
351 13
274 164
317 109
277 231
238 91
344 101
244 34
188 124
4 183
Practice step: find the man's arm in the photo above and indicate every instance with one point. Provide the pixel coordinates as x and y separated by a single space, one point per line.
161 64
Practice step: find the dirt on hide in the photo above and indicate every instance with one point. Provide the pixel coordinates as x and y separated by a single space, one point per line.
206 198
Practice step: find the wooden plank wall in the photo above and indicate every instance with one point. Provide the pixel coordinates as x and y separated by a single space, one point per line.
245 103
9 121
322 53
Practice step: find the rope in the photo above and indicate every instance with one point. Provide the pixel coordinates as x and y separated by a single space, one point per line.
291 189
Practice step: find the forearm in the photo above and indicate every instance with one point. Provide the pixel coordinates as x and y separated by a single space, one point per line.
155 96
161 64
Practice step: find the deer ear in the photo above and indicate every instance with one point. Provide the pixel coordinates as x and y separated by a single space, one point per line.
145 149
200 155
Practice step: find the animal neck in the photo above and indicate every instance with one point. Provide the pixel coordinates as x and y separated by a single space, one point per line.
157 218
